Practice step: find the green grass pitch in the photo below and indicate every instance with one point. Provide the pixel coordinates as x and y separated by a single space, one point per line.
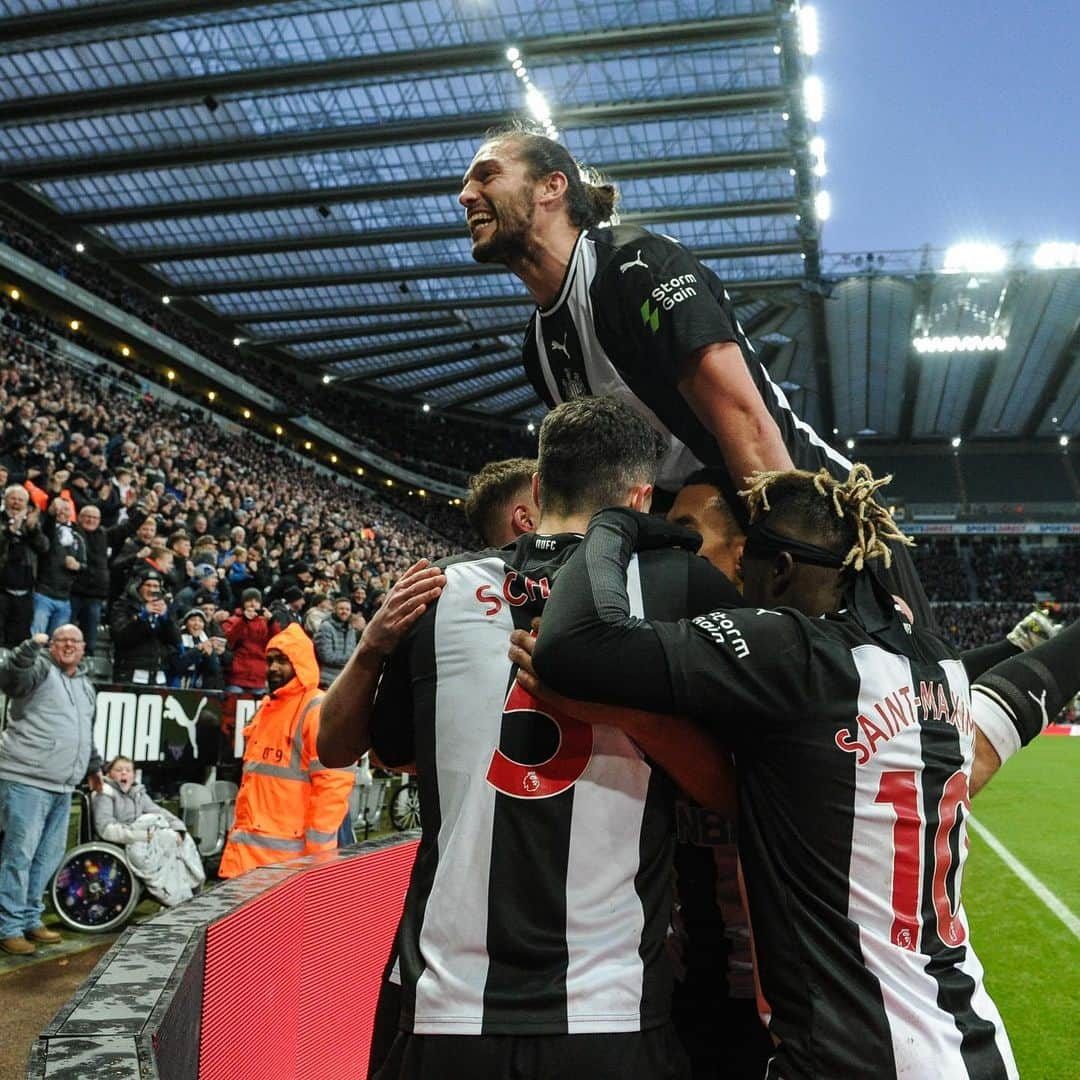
1032 960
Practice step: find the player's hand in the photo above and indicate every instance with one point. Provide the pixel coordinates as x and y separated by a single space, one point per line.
419 586
522 644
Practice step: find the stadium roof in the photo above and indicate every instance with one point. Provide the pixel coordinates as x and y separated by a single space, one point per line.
290 170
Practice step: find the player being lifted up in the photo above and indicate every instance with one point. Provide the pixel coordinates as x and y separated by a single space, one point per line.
855 739
633 315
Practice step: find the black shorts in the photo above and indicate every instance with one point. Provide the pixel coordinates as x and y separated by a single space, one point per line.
655 1054
726 1041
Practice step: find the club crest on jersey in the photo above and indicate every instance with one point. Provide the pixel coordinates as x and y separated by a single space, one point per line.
563 769
572 385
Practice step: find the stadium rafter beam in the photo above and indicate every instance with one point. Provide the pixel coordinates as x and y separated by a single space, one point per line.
338 333
417 365
924 290
459 376
406 62
70 22
416 188
488 391
425 273
460 335
387 134
451 231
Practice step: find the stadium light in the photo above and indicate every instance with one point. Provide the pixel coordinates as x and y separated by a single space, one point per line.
1056 256
538 104
1063 440
530 428
80 247
817 148
954 343
247 414
278 429
307 445
236 342
809 38
956 440
975 259
166 299
124 350
823 205
359 470
212 396
74 324
814 98
850 444
422 493
425 407
513 53
327 379
14 294
170 375
333 459
389 482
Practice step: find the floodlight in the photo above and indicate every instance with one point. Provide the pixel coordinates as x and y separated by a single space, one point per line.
74 324
426 407
212 395
817 148
333 459
247 414
359 470
538 104
975 259
513 54
278 429
327 379
1063 440
14 294
823 205
956 440
124 350
530 428
1056 255
814 98
307 445
850 444
80 247
236 341
809 39
954 343
166 299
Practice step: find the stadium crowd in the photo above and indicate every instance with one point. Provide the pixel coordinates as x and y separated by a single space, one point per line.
191 543
427 442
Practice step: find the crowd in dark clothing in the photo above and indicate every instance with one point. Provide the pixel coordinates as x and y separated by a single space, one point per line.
424 442
941 569
193 544
1006 570
970 625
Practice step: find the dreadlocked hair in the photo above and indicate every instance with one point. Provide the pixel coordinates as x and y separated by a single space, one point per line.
842 513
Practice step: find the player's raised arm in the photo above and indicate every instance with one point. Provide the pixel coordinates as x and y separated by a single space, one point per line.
345 726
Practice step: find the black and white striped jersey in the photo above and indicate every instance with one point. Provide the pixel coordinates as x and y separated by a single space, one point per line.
854 742
633 307
541 893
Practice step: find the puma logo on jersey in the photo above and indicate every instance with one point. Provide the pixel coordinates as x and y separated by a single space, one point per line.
636 261
560 346
1041 702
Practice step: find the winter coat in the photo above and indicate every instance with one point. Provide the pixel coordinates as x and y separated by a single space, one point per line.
288 804
93 580
335 642
49 739
54 578
247 639
141 641
19 553
115 811
191 668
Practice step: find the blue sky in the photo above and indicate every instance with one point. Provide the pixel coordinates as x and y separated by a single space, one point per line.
950 120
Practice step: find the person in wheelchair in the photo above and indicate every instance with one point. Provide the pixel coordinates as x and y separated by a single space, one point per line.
156 843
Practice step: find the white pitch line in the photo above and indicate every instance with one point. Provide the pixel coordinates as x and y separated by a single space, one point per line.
1028 878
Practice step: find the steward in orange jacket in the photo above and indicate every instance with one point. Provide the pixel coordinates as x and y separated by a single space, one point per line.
289 804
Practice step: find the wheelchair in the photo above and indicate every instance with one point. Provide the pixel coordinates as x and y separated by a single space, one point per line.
94 890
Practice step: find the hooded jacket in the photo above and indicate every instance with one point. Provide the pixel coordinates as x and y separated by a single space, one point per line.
115 811
248 640
141 641
289 804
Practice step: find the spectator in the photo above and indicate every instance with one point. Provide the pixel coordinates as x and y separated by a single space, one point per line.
318 613
90 589
197 663
295 810
46 749
335 640
247 631
205 586
22 543
58 568
287 609
157 844
143 635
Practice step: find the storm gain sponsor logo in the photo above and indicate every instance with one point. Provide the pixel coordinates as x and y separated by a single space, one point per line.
724 632
664 298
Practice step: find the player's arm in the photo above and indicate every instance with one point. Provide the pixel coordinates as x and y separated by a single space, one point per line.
692 757
719 389
1013 701
591 648
345 727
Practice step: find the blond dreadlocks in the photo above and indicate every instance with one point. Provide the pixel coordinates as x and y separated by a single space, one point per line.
852 500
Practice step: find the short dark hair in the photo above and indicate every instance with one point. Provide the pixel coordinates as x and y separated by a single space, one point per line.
718 480
589 198
592 450
491 490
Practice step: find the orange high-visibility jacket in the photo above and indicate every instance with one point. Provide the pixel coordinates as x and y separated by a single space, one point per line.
289 804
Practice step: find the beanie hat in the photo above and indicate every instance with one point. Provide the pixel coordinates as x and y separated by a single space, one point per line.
250 594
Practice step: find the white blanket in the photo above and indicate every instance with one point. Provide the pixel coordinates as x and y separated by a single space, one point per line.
168 862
